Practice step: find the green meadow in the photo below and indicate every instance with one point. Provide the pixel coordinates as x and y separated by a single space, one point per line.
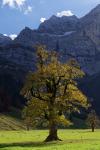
33 140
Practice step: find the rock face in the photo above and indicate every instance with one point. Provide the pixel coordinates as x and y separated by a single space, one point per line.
59 25
78 38
4 40
70 36
91 25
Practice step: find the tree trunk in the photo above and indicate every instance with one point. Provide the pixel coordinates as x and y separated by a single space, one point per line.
52 125
27 127
92 126
52 133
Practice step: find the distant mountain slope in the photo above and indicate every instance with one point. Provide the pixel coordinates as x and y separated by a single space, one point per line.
91 87
4 39
91 25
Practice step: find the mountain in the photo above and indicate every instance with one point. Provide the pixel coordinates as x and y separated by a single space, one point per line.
79 40
59 25
68 35
4 40
91 25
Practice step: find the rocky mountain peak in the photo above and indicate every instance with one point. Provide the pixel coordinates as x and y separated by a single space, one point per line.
58 25
96 9
4 39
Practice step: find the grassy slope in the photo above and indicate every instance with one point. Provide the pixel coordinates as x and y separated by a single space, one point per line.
32 140
9 122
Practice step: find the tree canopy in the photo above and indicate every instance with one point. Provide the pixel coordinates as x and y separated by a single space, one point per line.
93 120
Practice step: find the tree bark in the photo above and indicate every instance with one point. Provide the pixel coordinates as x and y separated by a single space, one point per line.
52 133
27 127
92 126
52 126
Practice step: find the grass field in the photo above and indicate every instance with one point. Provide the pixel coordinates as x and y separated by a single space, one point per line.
33 140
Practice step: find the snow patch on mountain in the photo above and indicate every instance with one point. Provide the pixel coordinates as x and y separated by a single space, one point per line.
65 13
12 36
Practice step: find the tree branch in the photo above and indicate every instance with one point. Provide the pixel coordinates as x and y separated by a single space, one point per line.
37 95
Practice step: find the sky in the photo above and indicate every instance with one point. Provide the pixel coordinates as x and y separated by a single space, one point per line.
16 14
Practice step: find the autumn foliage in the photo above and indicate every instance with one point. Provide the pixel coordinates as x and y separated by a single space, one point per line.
52 91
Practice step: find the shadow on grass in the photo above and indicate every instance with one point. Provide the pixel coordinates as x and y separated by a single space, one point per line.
28 144
44 144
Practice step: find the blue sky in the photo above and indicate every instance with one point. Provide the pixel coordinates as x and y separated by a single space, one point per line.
16 14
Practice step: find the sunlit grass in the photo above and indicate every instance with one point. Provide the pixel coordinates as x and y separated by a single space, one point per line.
33 140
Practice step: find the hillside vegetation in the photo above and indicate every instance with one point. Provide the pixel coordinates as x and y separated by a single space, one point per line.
8 122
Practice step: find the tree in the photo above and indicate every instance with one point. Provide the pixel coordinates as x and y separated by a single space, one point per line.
27 117
52 91
93 120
